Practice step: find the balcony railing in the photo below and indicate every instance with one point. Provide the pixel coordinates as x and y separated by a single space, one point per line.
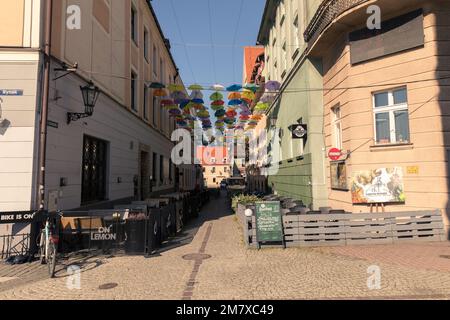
326 13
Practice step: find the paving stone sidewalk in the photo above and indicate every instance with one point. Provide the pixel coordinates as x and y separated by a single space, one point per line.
218 266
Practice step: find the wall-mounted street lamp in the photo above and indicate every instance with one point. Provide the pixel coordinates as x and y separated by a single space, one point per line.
90 95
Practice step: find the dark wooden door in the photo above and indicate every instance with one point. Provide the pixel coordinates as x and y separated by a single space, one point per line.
94 170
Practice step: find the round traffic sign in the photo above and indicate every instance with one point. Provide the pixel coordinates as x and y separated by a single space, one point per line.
334 154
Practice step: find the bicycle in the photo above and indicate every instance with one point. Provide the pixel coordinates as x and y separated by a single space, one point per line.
48 245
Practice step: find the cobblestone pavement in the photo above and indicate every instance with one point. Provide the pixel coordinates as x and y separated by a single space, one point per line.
222 268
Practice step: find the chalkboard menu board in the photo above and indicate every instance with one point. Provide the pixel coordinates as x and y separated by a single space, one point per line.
269 224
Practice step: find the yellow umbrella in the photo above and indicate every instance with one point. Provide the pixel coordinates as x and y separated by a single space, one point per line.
248 95
175 87
196 87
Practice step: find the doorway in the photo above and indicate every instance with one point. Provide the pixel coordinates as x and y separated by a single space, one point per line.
144 176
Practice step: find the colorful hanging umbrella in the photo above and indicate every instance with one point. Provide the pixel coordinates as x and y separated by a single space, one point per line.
252 87
196 87
174 112
196 94
198 101
215 108
175 87
156 85
267 98
218 87
178 96
166 101
220 113
234 96
261 106
231 113
218 103
184 103
273 86
248 96
234 87
159 93
216 96
230 120
234 102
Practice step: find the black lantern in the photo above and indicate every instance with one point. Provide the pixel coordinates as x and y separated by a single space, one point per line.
90 95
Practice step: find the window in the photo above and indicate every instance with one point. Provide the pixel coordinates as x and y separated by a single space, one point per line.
338 176
284 52
133 91
391 116
154 166
161 71
337 127
94 177
282 13
161 169
155 110
145 113
155 60
275 69
146 44
296 33
134 25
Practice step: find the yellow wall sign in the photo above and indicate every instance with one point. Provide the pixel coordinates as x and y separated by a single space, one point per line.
412 170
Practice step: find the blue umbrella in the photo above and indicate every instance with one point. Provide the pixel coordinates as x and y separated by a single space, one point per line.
235 102
234 87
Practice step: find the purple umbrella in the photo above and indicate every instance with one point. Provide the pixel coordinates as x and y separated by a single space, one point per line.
273 85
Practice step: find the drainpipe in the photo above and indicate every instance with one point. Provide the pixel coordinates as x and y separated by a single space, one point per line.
44 105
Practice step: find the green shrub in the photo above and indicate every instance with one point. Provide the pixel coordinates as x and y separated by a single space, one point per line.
244 200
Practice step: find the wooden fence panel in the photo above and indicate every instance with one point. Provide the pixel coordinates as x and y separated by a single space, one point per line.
355 229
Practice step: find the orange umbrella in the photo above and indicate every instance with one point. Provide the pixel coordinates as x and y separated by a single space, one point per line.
160 93
234 96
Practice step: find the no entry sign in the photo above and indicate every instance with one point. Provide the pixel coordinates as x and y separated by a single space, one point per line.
334 154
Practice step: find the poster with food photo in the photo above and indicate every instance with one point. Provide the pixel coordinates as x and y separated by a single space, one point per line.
384 185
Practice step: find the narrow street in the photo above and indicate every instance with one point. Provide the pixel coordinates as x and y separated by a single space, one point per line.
216 265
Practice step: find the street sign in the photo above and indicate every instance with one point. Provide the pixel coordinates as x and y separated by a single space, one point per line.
334 154
11 92
269 224
16 217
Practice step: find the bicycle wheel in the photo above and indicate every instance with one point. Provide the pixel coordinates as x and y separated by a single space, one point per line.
51 263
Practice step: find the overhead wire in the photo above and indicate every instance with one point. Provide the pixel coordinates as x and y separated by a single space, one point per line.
182 39
235 38
212 41
291 90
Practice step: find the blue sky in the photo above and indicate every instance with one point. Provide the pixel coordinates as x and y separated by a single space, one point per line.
207 55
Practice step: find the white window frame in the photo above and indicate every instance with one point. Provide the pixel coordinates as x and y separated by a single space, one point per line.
391 108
